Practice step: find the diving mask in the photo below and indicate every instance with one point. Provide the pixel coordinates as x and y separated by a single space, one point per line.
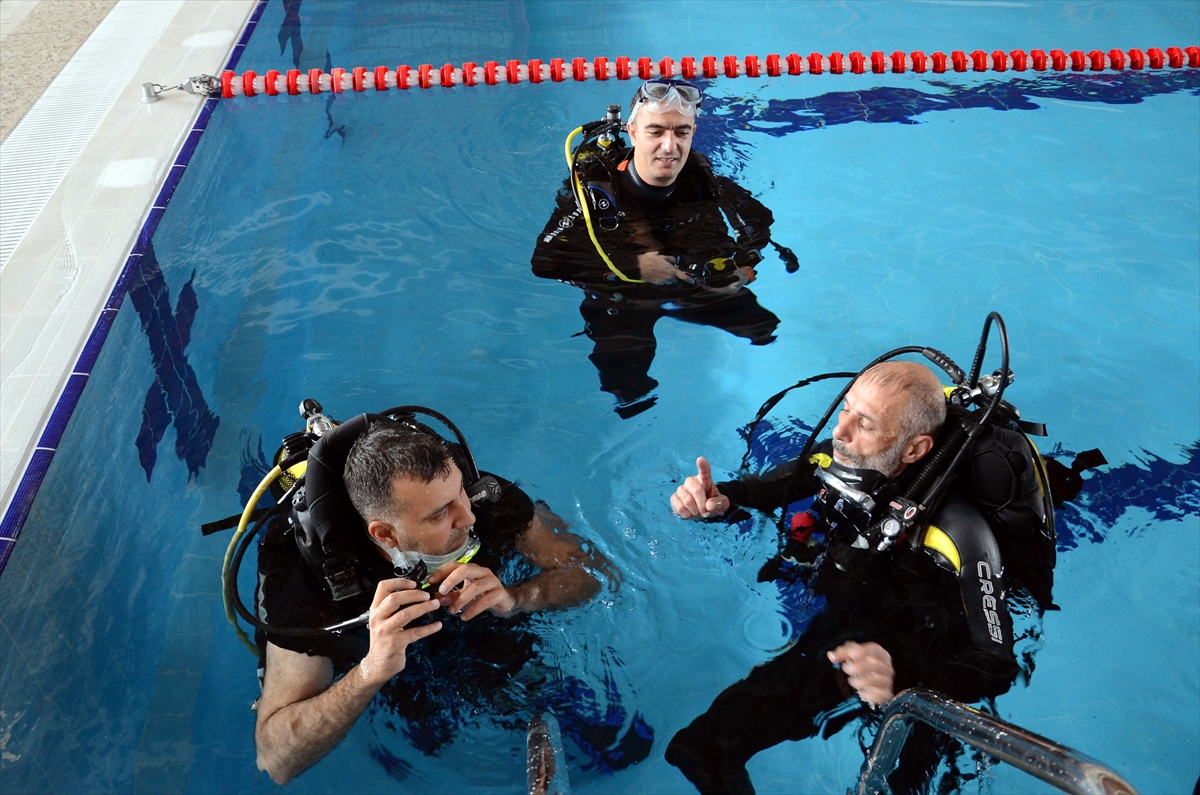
662 96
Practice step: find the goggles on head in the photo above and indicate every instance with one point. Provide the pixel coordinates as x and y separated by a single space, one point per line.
668 95
659 88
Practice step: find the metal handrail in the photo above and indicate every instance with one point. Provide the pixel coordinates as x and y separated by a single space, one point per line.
1055 764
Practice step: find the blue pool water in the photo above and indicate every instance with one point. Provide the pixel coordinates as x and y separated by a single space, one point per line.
370 250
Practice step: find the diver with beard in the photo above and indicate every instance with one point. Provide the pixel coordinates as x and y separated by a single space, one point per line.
645 232
916 591
393 567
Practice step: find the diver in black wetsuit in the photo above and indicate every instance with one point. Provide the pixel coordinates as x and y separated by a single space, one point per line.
661 221
389 526
910 601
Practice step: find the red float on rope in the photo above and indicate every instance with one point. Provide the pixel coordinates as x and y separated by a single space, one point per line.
273 83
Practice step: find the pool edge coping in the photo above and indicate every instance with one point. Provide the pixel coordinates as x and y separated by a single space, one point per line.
35 469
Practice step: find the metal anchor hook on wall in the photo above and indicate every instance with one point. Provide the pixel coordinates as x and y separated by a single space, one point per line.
200 85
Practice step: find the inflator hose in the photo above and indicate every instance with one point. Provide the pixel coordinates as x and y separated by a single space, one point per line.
583 205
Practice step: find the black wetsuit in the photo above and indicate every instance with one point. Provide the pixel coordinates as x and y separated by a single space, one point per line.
461 671
901 600
684 220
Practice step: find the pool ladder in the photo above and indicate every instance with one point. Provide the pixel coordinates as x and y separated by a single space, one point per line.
1055 764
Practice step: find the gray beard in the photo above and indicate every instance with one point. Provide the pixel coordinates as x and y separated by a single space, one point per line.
887 462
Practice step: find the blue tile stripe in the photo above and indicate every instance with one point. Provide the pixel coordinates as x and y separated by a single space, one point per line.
35 472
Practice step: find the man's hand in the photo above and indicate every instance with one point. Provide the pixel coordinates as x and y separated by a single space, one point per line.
481 590
397 604
868 668
658 269
697 496
744 275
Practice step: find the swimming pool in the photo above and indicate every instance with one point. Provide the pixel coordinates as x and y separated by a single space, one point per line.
373 250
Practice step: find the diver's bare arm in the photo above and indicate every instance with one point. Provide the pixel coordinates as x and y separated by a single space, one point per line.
300 717
566 577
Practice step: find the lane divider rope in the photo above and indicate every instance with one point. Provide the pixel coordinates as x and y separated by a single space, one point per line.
558 70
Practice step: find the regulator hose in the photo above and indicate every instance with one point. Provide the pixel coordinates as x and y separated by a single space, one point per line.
572 159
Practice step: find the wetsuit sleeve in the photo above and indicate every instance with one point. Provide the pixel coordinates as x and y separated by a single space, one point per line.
968 675
565 251
750 218
777 488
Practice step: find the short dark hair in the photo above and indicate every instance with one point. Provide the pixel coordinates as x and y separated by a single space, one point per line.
386 450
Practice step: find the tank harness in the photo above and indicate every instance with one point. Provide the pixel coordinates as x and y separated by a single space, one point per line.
306 482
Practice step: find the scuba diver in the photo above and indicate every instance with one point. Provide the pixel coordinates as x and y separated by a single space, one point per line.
933 520
391 566
645 232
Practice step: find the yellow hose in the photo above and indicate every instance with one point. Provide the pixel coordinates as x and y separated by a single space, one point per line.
226 567
587 216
